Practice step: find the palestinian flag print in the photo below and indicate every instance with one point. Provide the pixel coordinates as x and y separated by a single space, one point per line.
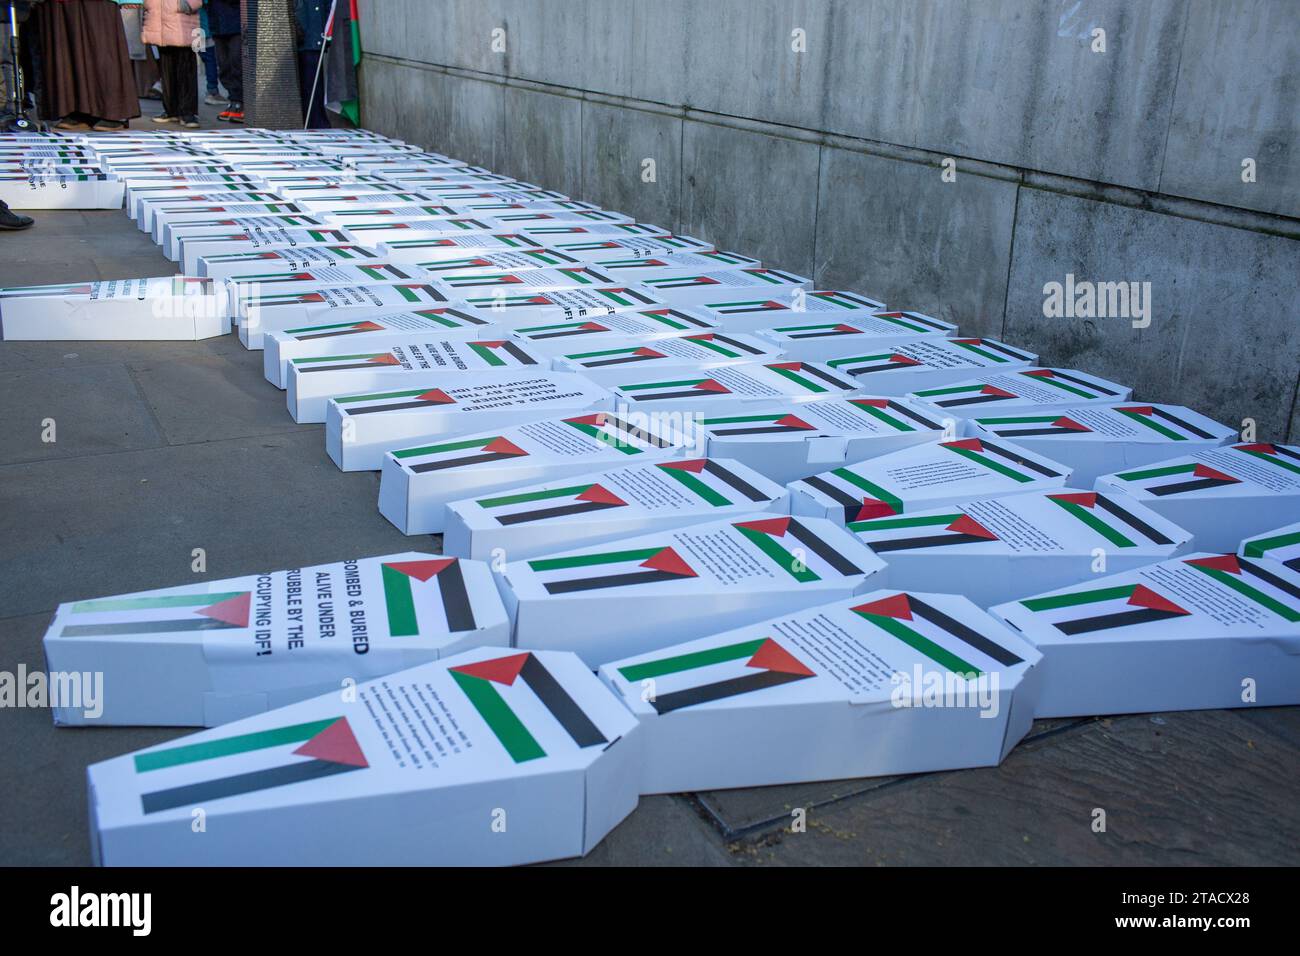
617 432
521 701
528 507
1162 422
457 454
497 262
921 532
500 353
711 482
1183 478
600 570
716 673
860 365
1253 581
943 639
1282 545
1106 608
674 389
339 363
1117 524
775 423
401 400
300 258
199 774
424 596
1278 456
794 548
158 614
894 413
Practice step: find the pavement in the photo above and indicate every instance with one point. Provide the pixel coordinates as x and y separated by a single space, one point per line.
162 448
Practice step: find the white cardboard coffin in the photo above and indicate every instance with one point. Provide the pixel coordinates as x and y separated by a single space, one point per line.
204 654
924 476
312 381
364 334
171 216
284 259
1206 631
144 204
483 286
274 311
731 387
558 305
787 441
754 314
375 234
253 239
699 288
1280 544
509 261
610 363
629 247
927 363
176 307
823 338
560 338
359 429
455 247
673 264
995 549
606 505
890 682
417 483
49 189
259 232
422 768
1098 440
1221 495
609 601
249 287
1037 391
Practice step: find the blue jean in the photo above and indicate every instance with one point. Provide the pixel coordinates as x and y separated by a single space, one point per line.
209 58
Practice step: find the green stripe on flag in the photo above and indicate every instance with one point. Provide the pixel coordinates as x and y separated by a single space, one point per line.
871 410
1245 590
1096 524
694 484
227 746
991 356
446 446
686 382
408 294
884 524
1063 386
487 354
686 662
509 729
879 493
153 603
798 379
919 642
1275 461
1056 601
337 358
990 464
791 564
527 496
400 602
1156 472
1153 425
590 560
1261 546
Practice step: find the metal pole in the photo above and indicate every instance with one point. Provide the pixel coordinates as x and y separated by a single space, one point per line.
320 62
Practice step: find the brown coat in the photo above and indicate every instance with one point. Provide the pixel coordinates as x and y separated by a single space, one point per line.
166 25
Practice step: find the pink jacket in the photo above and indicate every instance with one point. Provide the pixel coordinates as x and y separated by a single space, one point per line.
166 25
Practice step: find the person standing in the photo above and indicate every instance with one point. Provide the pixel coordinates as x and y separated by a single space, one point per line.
173 26
228 40
310 18
208 54
86 76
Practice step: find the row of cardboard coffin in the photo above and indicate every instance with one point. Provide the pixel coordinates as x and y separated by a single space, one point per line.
436 739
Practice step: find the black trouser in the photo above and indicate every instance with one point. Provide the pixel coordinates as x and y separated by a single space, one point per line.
313 112
230 65
180 80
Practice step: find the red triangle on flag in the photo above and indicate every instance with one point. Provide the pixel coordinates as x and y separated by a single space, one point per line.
503 446
773 526
335 744
694 465
1138 410
1220 562
896 605
597 419
1205 471
592 327
230 611
904 359
788 366
421 570
968 525
873 402
1262 447
969 444
1086 498
874 508
670 561
709 385
771 656
491 345
1071 424
1039 372
367 327
702 337
501 670
436 395
601 495
648 352
845 328
389 359
994 390
790 421
1143 596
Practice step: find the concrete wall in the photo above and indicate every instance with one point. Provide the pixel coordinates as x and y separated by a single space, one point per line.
1122 165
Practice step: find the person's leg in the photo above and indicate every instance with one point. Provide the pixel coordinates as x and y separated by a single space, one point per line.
11 220
167 63
209 58
187 83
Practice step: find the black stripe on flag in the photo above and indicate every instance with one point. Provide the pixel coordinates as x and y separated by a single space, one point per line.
658 396
1105 622
520 355
565 334
620 361
929 541
970 400
828 378
335 368
717 691
835 494
144 627
1198 432
717 337
963 632
760 430
1268 576
197 794
1024 463
541 514
1132 520
734 480
636 432
1056 373
887 367
328 335
612 581
455 599
425 466
389 408
1181 487
1030 432
903 410
820 548
822 335
562 707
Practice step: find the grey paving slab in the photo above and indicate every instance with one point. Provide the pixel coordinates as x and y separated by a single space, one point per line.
109 524
211 398
18 356
1205 787
93 410
43 813
664 830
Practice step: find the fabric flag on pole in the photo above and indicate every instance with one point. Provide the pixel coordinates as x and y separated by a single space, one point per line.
341 90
